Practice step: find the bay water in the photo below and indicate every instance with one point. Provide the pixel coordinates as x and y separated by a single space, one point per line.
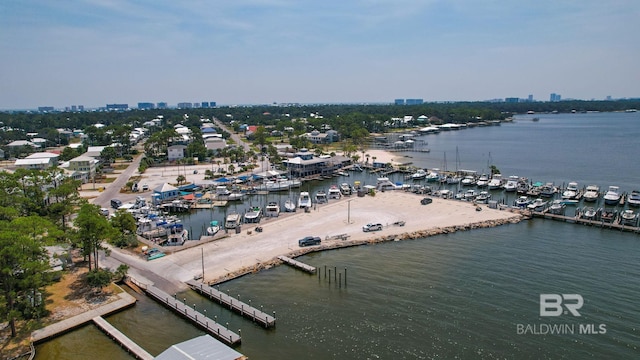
473 294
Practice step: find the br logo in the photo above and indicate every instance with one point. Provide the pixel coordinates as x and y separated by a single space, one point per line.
554 304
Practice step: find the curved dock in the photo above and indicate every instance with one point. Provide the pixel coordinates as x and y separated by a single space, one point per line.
245 310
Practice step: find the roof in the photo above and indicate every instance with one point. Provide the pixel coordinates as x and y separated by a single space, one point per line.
165 188
82 158
21 143
42 155
200 348
36 161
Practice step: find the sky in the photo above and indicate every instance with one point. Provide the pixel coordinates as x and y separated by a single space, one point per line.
94 52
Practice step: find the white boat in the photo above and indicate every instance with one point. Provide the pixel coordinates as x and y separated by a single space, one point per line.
272 209
537 205
634 198
453 179
592 193
384 183
483 180
496 182
445 193
232 221
334 192
523 186
589 213
470 195
483 197
512 184
213 228
304 200
548 190
612 196
418 175
628 217
433 175
468 180
522 202
557 207
345 189
321 197
289 206
571 191
279 184
253 215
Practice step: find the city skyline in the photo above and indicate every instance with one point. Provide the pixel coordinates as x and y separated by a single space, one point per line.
96 52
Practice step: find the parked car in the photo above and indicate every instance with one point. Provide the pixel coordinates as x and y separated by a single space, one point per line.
309 240
426 201
145 187
115 203
372 227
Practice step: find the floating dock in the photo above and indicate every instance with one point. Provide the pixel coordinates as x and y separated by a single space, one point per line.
588 222
297 264
212 327
128 344
245 310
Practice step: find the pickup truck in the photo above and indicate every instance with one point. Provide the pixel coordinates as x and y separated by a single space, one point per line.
309 240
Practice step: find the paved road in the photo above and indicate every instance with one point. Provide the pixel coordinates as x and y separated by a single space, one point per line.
113 190
234 136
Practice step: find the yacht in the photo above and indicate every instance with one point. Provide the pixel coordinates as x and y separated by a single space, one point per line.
522 202
495 182
589 213
334 192
557 207
512 184
433 175
289 206
483 197
634 198
537 205
628 217
571 191
321 197
232 221
592 193
470 195
468 180
483 180
345 189
304 200
419 175
272 209
612 197
253 215
548 190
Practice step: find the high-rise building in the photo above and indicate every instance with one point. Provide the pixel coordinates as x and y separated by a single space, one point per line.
212 104
554 97
161 105
399 101
185 105
530 98
146 105
414 101
512 100
119 107
45 108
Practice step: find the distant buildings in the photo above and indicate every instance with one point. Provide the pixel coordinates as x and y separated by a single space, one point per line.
408 102
146 106
118 107
554 97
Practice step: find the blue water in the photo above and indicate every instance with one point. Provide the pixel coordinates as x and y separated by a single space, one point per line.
459 295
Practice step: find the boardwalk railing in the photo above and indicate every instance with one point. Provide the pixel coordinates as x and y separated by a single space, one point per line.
244 309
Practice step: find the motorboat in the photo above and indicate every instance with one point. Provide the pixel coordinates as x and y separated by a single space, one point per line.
272 209
523 186
213 228
289 206
470 195
592 193
468 180
483 181
571 192
557 207
548 190
628 217
279 184
445 193
253 215
232 221
433 175
496 182
334 192
589 213
483 197
512 184
345 189
384 183
537 205
321 197
612 196
634 198
522 202
418 175
452 179
608 215
304 200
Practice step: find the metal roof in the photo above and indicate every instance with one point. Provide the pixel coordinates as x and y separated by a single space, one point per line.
203 347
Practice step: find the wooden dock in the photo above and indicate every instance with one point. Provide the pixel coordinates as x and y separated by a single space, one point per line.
135 349
196 317
125 301
579 220
297 264
245 310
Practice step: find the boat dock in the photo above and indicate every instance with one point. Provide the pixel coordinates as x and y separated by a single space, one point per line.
297 264
125 301
135 349
589 222
245 310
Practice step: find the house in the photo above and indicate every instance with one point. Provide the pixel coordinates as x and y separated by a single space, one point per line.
94 151
81 167
316 137
304 164
164 192
18 143
176 152
215 143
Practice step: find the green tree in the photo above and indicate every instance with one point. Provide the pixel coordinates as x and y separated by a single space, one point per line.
99 278
108 155
92 230
125 225
180 179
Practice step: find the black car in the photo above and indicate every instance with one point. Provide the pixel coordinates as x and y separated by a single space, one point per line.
309 240
426 201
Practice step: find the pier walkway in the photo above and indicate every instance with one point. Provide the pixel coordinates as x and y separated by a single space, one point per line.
297 264
578 220
137 351
245 310
125 301
212 327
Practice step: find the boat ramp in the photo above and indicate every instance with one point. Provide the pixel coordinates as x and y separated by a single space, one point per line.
242 308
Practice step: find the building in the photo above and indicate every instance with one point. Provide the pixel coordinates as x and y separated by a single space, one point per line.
118 107
185 105
530 98
45 108
304 164
316 137
176 152
512 100
200 348
554 97
161 105
414 102
81 168
146 106
398 101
